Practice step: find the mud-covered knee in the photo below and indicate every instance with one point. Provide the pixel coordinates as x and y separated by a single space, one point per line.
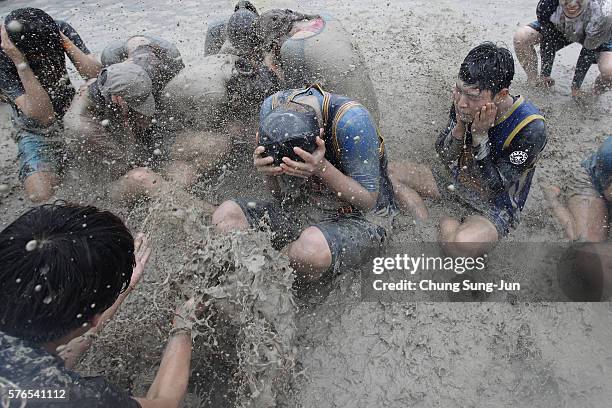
229 216
311 250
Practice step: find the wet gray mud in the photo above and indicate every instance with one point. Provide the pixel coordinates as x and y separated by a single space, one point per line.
262 346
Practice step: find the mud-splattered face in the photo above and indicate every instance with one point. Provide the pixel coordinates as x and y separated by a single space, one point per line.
573 8
468 100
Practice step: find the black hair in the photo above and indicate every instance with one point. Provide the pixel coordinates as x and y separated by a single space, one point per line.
34 33
60 265
489 67
240 30
37 36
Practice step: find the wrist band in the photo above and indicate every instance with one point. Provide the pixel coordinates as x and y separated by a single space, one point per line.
180 330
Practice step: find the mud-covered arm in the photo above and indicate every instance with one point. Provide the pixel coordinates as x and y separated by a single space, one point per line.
20 85
86 64
524 150
599 28
359 147
450 142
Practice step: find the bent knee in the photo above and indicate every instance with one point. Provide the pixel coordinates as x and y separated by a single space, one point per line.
143 177
40 186
311 250
229 217
526 36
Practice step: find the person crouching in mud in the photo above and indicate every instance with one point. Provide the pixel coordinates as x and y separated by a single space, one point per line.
486 156
114 120
64 272
35 82
297 49
563 22
584 215
327 169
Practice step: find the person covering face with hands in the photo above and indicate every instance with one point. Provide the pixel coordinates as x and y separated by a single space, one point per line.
486 156
325 164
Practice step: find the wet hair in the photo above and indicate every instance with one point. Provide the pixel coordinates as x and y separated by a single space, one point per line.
240 30
488 67
34 33
287 126
60 265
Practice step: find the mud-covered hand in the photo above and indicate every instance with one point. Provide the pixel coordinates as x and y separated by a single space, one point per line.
313 163
483 121
184 316
263 164
9 48
142 251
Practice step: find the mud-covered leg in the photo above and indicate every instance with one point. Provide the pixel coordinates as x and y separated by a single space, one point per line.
472 238
525 40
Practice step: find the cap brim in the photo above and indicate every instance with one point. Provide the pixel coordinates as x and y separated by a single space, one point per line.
147 107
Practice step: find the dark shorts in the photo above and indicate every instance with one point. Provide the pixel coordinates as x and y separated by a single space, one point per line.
503 219
352 239
559 41
39 152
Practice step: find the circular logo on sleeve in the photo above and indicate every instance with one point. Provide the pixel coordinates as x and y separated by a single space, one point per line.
518 157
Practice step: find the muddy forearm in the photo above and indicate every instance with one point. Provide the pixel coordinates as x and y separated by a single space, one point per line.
170 384
35 103
450 144
86 64
348 189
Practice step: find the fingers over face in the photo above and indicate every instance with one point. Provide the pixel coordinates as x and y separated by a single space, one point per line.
294 172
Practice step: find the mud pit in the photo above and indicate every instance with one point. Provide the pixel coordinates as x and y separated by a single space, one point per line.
333 350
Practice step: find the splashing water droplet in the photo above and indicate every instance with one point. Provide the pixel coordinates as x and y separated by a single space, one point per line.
105 122
47 300
37 288
14 26
31 245
157 152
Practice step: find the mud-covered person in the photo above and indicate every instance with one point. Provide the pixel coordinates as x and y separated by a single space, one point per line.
114 121
486 156
561 23
34 81
298 49
584 211
332 199
64 272
582 207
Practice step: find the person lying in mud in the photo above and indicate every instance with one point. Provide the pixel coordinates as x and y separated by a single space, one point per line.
34 81
486 156
64 272
559 24
114 121
326 166
160 59
299 49
584 214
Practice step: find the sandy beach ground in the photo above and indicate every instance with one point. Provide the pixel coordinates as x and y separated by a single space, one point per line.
351 353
